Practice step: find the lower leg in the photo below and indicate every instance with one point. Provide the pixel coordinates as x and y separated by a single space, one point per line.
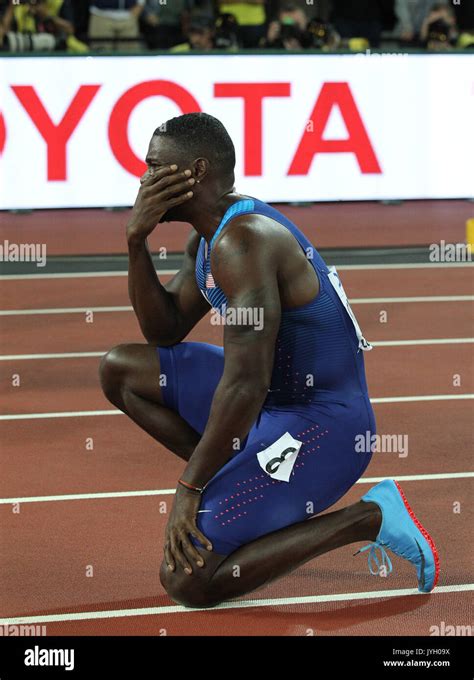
130 380
163 424
276 554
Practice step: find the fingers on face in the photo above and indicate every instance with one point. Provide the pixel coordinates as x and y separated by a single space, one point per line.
160 173
165 176
173 190
178 200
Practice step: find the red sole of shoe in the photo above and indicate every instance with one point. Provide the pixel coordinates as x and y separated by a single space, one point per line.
423 531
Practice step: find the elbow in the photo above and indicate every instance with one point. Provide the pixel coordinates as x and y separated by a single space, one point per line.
160 340
164 338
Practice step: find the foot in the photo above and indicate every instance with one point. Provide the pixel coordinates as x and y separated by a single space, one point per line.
402 532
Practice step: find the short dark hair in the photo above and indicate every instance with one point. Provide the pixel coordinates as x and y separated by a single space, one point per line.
203 135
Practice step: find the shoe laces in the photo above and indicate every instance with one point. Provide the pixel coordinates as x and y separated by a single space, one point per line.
373 561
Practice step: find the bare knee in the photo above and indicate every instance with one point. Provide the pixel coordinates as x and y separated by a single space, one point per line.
113 370
187 590
133 368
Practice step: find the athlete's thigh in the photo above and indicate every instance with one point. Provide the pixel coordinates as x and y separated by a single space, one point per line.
243 501
189 375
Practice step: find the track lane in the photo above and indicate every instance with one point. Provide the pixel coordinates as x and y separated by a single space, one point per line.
96 455
52 385
121 538
109 291
124 553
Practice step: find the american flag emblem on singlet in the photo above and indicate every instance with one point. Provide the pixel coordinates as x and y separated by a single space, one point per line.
210 283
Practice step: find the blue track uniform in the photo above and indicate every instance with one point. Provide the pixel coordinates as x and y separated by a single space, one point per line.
300 456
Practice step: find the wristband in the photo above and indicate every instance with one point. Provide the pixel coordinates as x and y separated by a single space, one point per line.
191 487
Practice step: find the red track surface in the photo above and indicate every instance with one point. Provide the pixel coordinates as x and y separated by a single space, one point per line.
327 225
51 543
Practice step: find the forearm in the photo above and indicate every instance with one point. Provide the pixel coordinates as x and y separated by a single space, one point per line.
234 410
153 305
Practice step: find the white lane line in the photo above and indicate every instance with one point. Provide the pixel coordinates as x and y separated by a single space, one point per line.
342 267
113 412
418 478
75 275
426 397
407 265
169 492
233 604
418 298
57 355
380 343
129 308
64 310
87 496
60 414
422 341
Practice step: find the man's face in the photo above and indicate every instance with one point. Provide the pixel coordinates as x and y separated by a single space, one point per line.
163 152
200 39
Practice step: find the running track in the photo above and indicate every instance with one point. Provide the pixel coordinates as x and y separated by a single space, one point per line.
68 511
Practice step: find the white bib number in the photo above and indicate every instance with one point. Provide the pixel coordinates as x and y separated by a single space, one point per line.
278 459
333 277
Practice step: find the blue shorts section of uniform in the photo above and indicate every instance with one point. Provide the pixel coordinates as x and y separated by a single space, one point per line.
242 502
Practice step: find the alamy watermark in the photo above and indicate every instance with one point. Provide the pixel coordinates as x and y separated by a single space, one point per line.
450 252
366 442
22 630
238 316
38 656
382 55
23 252
450 630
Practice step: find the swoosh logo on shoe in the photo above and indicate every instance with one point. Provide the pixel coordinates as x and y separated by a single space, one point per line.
423 562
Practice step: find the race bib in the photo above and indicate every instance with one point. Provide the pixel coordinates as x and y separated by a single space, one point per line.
337 285
278 459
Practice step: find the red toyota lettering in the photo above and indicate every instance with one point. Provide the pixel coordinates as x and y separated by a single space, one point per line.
253 95
312 142
55 136
3 133
118 123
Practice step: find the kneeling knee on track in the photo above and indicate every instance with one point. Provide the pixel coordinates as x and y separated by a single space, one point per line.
186 590
112 371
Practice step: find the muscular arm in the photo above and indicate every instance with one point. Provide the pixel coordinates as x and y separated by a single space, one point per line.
166 313
244 266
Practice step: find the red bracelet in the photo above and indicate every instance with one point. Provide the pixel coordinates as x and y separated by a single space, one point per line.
190 486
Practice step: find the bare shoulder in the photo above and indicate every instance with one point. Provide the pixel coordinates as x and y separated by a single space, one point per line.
247 237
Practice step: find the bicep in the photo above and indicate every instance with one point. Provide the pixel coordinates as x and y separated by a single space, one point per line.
253 316
250 336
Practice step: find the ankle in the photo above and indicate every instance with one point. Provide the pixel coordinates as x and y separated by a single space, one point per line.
371 519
